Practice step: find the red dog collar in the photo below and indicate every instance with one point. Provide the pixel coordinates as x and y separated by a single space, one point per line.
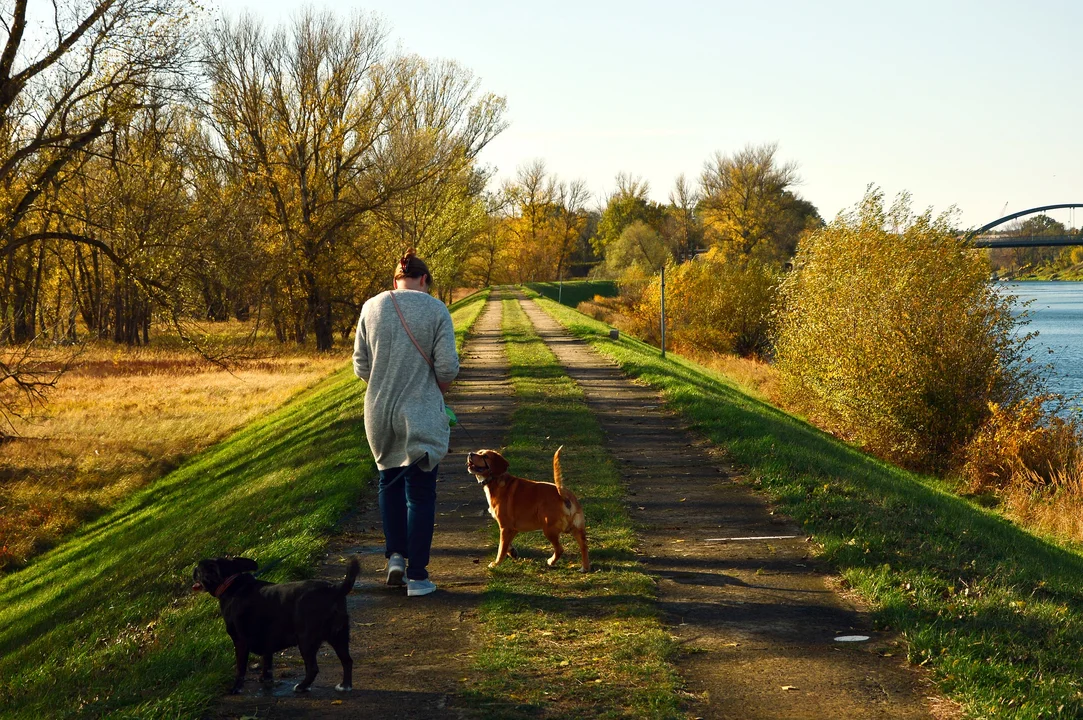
225 584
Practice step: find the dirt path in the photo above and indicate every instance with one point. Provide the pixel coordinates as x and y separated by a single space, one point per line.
758 615
410 654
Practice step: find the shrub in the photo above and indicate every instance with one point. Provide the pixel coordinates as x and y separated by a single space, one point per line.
1023 444
715 304
891 335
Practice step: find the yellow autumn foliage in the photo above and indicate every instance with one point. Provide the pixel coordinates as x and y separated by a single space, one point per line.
892 336
715 303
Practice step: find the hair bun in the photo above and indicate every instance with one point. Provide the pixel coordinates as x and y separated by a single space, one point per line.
410 265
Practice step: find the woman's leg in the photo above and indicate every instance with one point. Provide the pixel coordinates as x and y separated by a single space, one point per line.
392 496
420 519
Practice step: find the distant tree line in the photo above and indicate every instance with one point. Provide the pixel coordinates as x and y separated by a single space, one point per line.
156 167
1013 261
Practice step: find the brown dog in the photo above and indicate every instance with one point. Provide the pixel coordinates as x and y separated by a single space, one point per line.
521 505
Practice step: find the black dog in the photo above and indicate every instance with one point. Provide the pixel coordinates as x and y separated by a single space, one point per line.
263 618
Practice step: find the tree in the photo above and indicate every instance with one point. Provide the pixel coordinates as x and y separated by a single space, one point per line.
529 225
441 219
712 305
327 128
570 199
64 93
683 227
639 247
748 207
106 60
891 335
544 222
136 203
482 268
1023 257
628 204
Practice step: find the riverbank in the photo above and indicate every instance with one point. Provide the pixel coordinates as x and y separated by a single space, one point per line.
1045 274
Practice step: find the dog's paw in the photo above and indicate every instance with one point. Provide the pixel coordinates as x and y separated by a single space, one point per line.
493 564
298 688
344 688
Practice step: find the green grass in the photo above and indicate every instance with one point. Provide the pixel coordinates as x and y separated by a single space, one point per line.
105 625
575 291
995 613
464 314
559 643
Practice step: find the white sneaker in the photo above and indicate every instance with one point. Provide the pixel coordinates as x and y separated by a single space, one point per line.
419 587
396 568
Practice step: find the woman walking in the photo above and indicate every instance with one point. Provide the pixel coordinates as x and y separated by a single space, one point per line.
405 350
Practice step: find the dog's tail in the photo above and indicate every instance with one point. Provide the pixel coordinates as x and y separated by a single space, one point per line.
352 571
558 476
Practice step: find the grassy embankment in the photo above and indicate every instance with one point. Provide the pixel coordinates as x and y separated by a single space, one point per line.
575 291
1045 273
124 417
559 643
994 612
104 625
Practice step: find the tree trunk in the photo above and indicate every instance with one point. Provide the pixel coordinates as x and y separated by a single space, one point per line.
322 324
146 322
278 320
23 316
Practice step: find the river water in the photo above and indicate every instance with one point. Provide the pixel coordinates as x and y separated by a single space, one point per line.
1056 314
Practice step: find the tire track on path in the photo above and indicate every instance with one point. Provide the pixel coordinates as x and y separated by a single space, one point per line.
410 654
758 617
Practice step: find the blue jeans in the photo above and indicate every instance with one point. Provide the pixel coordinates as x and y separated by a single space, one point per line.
408 509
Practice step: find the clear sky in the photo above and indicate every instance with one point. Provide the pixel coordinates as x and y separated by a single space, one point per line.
973 104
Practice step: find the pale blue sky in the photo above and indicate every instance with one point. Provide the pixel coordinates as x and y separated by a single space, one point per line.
976 104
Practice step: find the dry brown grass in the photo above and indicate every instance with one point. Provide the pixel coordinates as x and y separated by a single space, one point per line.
125 416
1051 506
755 377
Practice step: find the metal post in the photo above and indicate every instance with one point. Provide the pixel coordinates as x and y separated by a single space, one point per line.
663 311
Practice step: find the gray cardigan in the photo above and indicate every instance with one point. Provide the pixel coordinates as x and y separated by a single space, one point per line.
404 408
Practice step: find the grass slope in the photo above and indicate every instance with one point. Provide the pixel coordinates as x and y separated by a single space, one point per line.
575 291
105 624
994 612
559 643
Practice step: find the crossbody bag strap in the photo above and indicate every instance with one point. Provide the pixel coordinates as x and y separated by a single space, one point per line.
452 420
407 328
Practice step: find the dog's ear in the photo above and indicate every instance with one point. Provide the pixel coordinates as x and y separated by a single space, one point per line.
243 564
497 464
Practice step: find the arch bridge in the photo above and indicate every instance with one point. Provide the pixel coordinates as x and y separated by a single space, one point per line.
983 239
